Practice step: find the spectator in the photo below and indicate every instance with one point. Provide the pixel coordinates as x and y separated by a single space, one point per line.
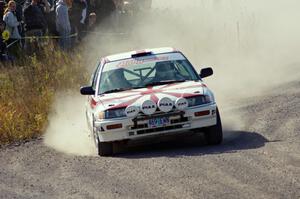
35 25
11 20
92 4
12 26
63 26
92 22
19 10
3 47
104 9
78 16
52 3
44 5
50 18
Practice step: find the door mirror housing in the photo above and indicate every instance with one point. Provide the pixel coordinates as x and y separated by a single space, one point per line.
206 72
87 90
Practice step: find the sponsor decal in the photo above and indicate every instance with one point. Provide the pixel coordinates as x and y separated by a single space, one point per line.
132 62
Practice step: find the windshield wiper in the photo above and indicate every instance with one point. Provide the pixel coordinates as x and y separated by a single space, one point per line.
164 82
138 87
116 90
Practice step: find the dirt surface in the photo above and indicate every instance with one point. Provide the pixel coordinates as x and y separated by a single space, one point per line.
252 45
262 160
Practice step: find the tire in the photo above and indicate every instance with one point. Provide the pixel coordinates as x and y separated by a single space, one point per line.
214 134
105 148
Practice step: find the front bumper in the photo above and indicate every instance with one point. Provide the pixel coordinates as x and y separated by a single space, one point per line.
138 128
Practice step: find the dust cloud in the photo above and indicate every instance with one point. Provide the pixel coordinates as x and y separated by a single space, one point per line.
252 45
67 131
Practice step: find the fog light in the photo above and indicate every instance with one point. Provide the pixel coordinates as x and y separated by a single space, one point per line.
114 126
202 113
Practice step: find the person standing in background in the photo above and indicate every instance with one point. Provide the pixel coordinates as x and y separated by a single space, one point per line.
4 56
92 22
44 7
78 14
12 26
63 26
35 25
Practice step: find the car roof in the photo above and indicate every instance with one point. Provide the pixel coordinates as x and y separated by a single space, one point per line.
127 55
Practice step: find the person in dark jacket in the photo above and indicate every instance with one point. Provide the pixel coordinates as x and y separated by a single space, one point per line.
2 8
35 25
78 14
44 5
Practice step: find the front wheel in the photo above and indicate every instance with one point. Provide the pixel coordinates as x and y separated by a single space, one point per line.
103 148
214 134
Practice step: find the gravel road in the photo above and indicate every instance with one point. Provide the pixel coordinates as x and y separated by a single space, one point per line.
262 160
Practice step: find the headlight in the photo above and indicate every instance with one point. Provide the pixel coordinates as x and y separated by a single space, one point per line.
109 114
199 100
114 113
101 115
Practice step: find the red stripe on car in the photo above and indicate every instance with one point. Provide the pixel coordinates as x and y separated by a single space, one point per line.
93 102
125 104
154 98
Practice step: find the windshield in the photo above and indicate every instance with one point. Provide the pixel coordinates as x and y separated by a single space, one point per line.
144 71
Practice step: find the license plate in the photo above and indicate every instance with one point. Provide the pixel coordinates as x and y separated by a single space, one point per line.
158 122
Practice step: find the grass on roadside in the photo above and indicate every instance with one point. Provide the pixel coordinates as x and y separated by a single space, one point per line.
27 90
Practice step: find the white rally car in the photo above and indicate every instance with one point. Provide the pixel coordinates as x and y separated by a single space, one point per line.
149 93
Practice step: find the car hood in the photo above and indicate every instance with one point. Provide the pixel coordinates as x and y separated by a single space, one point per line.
153 93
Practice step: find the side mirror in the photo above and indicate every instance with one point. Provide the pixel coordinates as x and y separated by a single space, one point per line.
205 72
87 90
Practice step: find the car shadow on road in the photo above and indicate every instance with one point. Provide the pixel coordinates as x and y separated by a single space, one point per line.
194 145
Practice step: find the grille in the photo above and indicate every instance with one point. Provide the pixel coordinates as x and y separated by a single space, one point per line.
177 120
172 121
157 115
166 128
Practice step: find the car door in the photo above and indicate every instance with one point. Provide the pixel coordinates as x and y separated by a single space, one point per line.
90 106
